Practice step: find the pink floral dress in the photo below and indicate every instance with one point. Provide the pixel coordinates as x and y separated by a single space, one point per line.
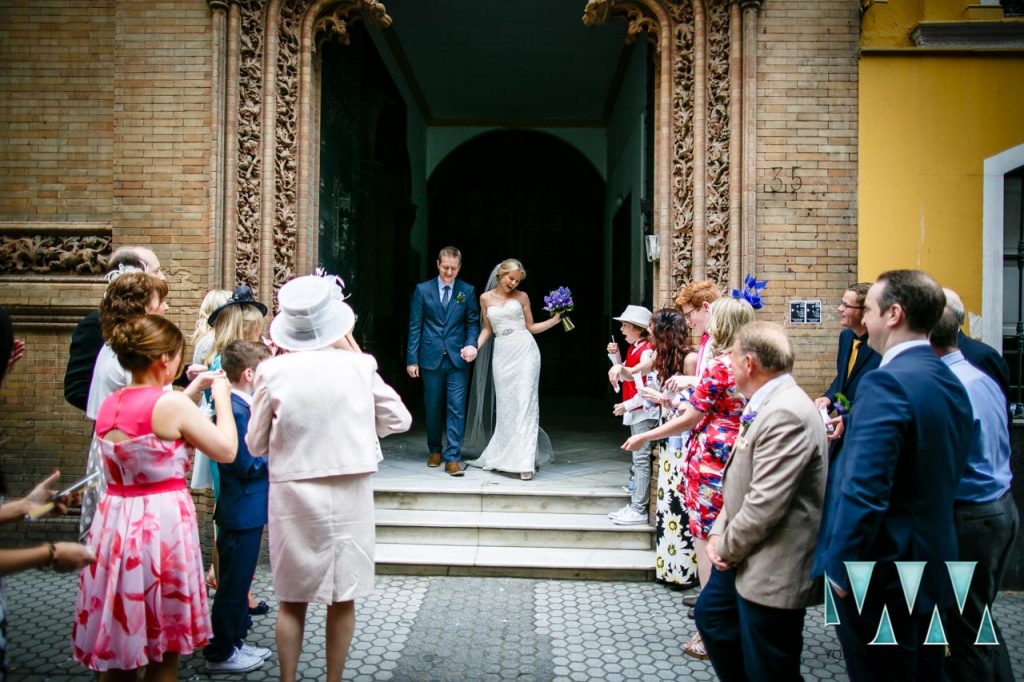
144 596
710 444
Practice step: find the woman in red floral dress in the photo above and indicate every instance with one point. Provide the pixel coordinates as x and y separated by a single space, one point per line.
143 603
712 413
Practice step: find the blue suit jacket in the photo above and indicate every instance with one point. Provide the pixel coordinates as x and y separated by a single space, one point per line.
244 483
867 360
890 496
434 333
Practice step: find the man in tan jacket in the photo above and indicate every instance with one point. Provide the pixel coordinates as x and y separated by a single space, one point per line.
751 612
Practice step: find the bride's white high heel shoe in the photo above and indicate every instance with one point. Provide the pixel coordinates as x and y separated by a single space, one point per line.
526 475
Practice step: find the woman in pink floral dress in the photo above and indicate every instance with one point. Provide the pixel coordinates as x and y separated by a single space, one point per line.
143 603
713 417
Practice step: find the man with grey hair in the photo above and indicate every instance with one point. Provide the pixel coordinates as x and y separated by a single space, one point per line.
87 340
978 353
984 513
751 612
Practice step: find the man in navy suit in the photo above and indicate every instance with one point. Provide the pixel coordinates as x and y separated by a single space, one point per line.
890 496
855 359
241 514
444 322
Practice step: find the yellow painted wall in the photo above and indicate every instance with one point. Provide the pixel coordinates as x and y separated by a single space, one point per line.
927 123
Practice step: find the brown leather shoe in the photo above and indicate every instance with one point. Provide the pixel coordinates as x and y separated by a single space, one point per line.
434 460
453 469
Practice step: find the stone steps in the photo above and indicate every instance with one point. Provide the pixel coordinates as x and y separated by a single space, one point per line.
553 531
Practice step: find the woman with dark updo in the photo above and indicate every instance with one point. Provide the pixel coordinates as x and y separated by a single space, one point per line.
144 603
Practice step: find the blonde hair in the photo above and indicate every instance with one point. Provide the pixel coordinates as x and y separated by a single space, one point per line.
509 265
235 322
215 298
728 315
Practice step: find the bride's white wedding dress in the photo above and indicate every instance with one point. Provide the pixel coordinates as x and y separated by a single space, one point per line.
516 371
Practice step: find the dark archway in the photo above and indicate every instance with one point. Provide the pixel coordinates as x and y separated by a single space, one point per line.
528 195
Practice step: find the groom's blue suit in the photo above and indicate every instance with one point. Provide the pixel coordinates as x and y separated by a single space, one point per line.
436 337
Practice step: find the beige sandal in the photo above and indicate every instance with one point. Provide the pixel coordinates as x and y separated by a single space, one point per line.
695 648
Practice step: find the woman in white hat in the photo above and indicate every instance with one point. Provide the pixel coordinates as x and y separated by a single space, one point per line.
318 411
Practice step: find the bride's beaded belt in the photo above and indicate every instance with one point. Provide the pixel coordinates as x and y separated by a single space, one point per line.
505 332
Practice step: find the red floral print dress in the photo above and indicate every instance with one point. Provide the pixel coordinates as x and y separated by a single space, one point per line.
144 596
710 443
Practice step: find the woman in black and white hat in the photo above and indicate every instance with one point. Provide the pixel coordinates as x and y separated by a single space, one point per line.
318 411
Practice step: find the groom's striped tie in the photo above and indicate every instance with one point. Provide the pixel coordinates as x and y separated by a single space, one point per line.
445 298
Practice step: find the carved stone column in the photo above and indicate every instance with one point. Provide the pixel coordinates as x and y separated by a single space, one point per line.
750 10
218 94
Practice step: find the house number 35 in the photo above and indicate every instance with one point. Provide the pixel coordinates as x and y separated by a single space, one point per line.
782 183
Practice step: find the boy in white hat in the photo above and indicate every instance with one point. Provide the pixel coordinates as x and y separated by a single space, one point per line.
636 414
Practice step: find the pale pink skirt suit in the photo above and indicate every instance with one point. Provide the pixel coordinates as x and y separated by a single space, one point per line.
318 416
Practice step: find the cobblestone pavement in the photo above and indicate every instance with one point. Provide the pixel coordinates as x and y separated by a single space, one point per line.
448 628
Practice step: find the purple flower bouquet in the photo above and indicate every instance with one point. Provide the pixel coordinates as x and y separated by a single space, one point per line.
560 301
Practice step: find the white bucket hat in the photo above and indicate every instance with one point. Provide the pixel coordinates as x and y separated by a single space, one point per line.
635 314
311 316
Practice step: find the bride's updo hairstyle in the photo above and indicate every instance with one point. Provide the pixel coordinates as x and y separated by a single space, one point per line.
127 297
143 340
509 265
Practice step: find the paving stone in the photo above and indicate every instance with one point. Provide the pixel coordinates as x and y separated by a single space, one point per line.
452 629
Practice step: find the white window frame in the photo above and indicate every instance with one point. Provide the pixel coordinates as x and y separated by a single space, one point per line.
992 220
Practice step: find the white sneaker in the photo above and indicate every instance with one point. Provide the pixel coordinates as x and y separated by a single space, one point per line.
612 515
261 651
240 662
629 517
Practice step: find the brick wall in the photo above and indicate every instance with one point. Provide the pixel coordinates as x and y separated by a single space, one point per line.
807 117
104 119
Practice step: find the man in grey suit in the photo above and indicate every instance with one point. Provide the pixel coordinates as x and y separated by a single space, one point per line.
751 612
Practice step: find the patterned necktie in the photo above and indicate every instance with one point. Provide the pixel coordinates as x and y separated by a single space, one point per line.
853 358
446 297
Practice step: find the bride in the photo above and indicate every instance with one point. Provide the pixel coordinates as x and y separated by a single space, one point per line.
518 444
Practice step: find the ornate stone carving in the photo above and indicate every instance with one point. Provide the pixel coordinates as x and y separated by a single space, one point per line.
250 86
597 12
54 254
682 83
335 21
286 140
718 134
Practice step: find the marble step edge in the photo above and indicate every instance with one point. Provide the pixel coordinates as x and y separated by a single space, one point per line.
504 520
516 557
516 491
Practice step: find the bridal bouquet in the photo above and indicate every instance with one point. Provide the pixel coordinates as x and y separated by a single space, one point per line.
560 301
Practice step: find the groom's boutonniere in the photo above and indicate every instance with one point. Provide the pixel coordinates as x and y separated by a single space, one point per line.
746 420
460 297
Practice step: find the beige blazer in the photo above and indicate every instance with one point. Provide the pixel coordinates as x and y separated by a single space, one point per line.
773 489
319 413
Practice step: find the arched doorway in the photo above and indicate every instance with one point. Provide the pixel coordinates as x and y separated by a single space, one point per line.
529 195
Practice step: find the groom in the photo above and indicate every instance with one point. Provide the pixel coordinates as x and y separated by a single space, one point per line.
444 323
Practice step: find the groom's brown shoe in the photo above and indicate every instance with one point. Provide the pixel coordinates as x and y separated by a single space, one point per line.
434 460
453 469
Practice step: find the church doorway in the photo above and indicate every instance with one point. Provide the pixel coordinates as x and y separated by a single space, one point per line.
525 137
528 195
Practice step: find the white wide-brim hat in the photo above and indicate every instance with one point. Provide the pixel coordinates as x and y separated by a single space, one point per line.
635 314
311 316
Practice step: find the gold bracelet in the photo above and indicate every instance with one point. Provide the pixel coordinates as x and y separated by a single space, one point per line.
53 558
